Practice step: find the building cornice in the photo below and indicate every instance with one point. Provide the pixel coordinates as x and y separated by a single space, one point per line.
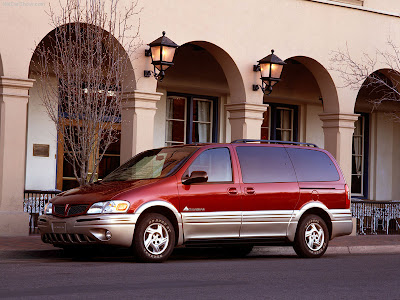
15 87
357 7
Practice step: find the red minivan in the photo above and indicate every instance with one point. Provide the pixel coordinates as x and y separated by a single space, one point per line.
235 195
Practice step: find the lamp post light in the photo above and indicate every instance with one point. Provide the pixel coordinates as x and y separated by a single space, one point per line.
270 68
162 52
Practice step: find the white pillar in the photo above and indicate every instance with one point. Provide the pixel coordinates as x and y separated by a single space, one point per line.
13 115
338 139
137 125
246 120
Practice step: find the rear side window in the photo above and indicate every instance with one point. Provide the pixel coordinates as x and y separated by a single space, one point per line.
311 165
265 164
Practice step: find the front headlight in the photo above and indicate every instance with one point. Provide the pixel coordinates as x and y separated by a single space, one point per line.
109 207
48 209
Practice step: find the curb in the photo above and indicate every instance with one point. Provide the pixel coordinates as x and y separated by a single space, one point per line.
276 250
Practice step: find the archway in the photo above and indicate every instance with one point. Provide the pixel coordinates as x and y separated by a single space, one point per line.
305 91
376 139
203 80
42 132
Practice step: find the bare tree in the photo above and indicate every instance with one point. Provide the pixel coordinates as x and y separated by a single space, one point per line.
87 54
383 84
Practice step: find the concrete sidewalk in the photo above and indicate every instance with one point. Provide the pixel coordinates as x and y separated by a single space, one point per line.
14 247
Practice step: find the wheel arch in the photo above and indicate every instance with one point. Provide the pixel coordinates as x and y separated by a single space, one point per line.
166 209
311 208
321 213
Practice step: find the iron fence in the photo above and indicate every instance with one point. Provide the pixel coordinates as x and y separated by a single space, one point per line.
34 203
376 217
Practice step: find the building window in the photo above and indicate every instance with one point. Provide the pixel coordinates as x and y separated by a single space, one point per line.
191 119
111 159
65 174
280 123
359 173
176 121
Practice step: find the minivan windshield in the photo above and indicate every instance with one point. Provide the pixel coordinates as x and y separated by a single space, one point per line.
156 163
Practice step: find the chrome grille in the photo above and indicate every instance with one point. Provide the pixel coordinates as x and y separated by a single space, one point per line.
59 209
77 209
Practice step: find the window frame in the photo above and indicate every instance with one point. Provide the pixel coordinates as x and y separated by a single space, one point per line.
365 163
273 111
184 124
60 178
189 115
186 174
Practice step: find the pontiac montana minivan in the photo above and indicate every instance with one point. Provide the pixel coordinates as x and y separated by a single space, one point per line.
235 195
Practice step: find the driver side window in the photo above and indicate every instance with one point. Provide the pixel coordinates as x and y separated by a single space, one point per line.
216 162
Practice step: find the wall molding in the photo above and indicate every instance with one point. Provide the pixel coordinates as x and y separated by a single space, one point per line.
357 7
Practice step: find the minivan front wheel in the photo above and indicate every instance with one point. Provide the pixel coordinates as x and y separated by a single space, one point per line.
312 237
154 238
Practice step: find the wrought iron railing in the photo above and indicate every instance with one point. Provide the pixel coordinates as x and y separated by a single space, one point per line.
34 203
376 217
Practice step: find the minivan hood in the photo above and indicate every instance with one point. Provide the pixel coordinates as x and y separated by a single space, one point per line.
96 192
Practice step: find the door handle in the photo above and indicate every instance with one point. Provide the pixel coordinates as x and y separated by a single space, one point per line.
250 191
232 191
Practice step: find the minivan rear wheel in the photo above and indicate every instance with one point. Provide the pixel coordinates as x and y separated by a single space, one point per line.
154 238
312 237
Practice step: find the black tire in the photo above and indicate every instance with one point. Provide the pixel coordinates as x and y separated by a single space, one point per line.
237 250
316 243
154 228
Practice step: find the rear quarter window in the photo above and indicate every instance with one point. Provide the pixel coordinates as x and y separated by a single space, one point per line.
265 164
312 165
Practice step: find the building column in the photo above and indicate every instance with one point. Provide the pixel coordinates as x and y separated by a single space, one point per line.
137 124
338 139
13 116
246 120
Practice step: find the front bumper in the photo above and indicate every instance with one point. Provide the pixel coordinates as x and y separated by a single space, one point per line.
88 229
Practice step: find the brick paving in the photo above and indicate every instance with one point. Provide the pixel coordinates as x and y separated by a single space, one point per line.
23 243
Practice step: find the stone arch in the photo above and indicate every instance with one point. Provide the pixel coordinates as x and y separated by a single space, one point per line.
375 142
203 68
325 82
41 128
230 69
129 75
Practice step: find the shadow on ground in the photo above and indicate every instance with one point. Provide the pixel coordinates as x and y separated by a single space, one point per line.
124 255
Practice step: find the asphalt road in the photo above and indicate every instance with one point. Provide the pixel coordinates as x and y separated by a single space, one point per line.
200 274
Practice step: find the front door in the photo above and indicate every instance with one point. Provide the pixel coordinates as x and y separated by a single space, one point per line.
211 210
270 191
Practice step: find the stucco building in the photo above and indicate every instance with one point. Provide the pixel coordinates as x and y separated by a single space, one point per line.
207 95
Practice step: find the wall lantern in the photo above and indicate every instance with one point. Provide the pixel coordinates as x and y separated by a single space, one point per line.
270 68
162 52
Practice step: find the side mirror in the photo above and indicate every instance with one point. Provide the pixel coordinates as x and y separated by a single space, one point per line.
196 177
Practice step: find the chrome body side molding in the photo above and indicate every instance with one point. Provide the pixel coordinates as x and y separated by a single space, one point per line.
211 225
265 223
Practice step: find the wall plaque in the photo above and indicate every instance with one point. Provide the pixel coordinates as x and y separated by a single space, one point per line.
42 150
